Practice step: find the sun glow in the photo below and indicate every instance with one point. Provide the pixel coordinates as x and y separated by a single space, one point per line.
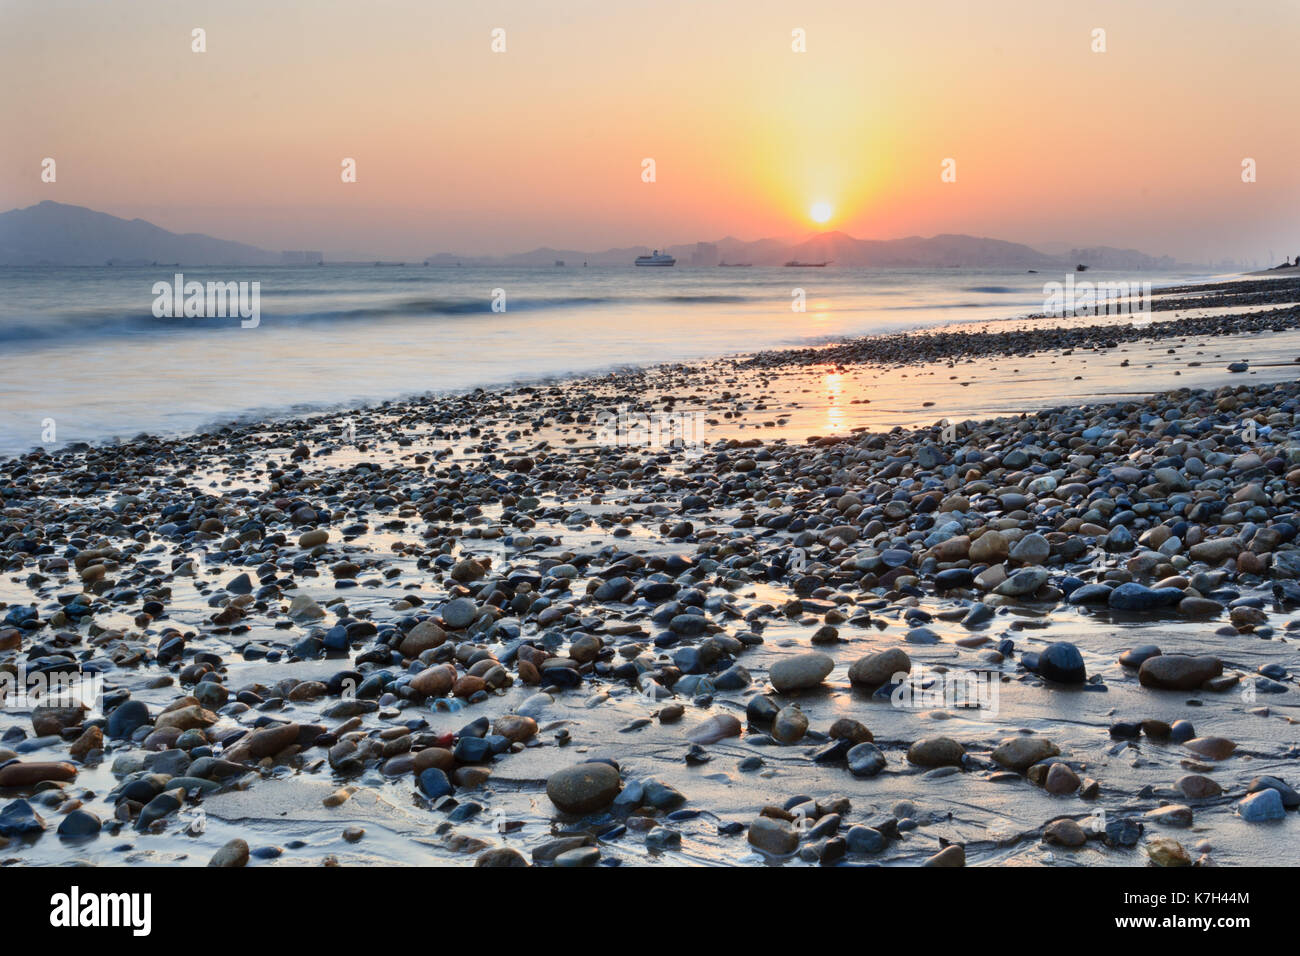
821 212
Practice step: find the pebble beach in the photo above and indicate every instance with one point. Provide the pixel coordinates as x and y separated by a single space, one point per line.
1018 593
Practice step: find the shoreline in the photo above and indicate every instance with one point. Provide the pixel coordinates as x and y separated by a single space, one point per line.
720 626
923 345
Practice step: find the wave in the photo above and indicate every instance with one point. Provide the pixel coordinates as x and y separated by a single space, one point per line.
109 322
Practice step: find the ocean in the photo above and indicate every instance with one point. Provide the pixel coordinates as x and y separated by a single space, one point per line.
83 357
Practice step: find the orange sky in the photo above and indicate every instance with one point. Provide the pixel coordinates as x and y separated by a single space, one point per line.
459 148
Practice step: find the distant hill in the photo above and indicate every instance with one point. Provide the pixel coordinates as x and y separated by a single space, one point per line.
934 252
52 233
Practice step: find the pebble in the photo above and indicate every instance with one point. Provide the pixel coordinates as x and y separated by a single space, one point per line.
583 788
1064 832
790 725
1262 806
1061 662
1017 753
1178 671
800 672
865 760
232 854
880 667
936 752
774 837
715 728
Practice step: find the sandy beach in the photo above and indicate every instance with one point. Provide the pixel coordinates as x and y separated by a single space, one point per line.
474 629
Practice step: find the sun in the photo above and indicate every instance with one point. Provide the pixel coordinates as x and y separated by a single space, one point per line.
821 212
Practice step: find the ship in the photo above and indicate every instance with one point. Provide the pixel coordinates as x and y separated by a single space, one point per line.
796 264
656 258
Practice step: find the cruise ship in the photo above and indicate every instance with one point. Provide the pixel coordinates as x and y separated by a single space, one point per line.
656 258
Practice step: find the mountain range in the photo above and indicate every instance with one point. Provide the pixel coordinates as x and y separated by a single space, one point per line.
59 234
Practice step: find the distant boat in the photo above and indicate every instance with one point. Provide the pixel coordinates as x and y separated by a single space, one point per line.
1080 268
559 263
656 258
796 264
734 265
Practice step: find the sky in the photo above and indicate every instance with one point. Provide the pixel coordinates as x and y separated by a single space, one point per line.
461 148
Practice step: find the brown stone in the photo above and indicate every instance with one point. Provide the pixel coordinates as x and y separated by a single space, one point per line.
434 681
27 774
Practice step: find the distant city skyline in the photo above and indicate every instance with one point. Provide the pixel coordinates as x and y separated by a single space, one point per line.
774 123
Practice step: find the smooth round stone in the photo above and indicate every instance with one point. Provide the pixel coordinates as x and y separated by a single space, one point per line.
1018 753
1090 594
734 677
1126 729
790 725
79 824
19 774
773 836
935 752
1178 671
1064 833
582 856
880 668
989 548
1061 780
584 787
435 783
950 856
951 578
1159 730
422 637
1199 607
862 839
459 612
1032 549
127 717
515 728
1061 662
233 854
801 671
501 856
1136 656
865 760
1212 748
1132 596
715 728
1262 806
1023 583
1175 815
846 728
1164 851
